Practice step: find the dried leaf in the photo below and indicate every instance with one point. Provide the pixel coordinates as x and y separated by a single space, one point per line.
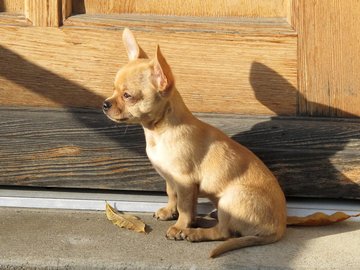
319 219
124 220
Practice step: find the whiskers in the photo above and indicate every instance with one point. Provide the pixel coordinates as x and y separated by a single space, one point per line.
121 126
126 128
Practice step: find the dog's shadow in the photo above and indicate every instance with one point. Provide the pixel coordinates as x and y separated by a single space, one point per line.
270 90
288 136
300 149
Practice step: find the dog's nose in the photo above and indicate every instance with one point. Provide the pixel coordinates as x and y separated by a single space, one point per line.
106 105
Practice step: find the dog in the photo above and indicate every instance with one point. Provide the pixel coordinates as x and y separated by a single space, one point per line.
196 159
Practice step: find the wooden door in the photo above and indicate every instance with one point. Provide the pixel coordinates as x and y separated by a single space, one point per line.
257 69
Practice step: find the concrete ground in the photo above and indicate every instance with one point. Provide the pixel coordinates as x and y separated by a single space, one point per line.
63 239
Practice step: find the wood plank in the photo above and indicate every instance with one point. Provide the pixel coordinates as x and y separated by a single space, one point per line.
12 19
12 6
329 47
237 8
66 9
241 26
50 66
44 12
82 149
293 11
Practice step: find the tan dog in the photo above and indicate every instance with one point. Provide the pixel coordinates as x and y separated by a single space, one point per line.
196 159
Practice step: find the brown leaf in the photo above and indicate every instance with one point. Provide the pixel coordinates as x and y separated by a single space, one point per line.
319 219
124 220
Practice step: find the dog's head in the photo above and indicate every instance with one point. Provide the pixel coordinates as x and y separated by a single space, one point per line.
142 87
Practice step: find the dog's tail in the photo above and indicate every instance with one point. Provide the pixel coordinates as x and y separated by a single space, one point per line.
245 241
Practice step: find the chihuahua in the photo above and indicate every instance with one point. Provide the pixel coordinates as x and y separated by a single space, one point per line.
196 159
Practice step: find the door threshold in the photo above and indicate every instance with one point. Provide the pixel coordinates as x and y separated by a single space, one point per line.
138 202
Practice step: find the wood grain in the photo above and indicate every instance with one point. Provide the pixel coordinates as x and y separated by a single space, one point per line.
293 11
44 12
329 49
248 68
13 19
244 8
82 149
66 9
12 6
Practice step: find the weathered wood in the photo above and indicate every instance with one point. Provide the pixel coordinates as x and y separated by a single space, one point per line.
329 49
82 149
49 66
238 8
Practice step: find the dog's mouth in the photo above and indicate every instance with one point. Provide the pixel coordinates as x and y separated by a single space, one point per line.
118 120
123 119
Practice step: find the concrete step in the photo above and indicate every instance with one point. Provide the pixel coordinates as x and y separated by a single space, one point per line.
68 239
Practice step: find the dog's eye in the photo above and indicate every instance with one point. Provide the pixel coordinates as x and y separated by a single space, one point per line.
126 95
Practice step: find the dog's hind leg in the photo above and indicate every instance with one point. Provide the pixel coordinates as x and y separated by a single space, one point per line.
218 232
205 234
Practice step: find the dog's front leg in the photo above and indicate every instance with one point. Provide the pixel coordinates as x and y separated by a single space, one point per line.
169 212
186 205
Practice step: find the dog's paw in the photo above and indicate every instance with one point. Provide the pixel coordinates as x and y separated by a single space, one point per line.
174 233
166 214
190 235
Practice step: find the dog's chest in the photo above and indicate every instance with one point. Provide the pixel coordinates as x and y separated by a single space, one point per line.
156 153
160 157
167 157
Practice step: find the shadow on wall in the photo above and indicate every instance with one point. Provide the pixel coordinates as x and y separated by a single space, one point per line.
18 70
296 150
300 149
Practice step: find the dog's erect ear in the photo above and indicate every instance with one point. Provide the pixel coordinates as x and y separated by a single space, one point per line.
130 43
162 75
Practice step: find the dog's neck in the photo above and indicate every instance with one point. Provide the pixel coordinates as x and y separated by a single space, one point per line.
173 113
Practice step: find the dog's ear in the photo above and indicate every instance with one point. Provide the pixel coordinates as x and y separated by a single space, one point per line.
131 45
162 75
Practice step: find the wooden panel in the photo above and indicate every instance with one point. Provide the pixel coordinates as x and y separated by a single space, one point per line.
44 12
247 8
82 149
293 11
12 6
329 49
66 9
251 69
13 19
